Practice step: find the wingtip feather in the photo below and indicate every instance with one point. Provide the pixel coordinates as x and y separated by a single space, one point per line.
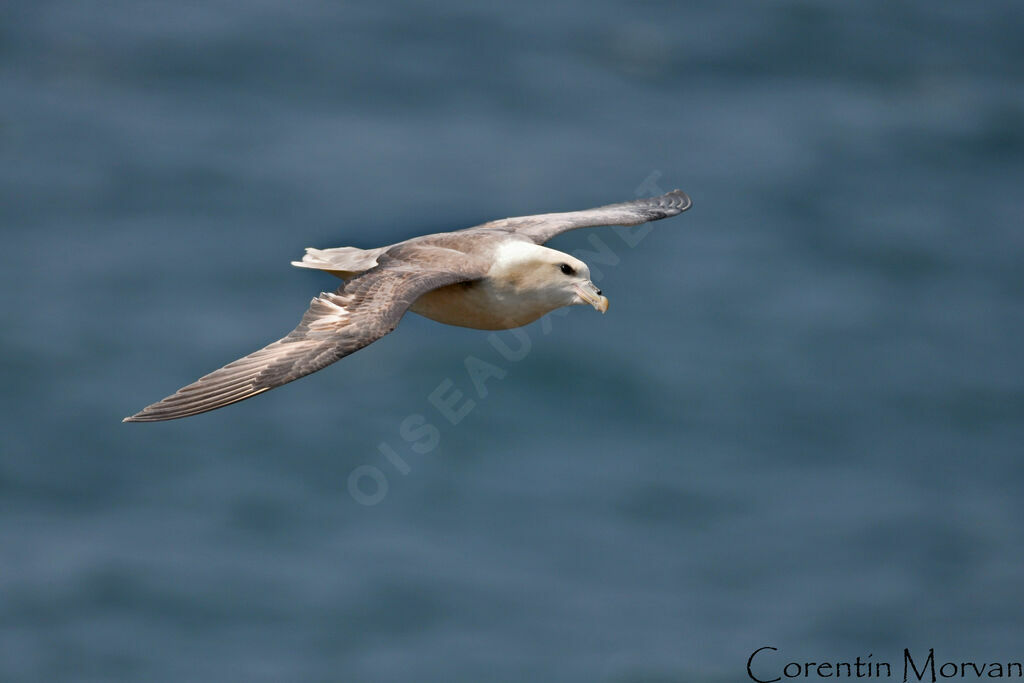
685 202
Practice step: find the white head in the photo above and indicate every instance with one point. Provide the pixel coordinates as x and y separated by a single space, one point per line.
544 278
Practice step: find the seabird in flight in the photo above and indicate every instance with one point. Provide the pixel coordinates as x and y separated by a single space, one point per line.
493 276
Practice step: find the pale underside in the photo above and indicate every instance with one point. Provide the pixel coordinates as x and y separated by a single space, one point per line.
476 305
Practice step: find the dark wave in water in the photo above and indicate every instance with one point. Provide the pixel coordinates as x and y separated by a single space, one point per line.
798 426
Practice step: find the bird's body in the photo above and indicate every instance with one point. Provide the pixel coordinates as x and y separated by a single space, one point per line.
507 297
504 297
490 277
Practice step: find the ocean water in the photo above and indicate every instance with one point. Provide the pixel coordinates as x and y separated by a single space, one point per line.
800 425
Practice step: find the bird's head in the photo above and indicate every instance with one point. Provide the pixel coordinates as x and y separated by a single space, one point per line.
547 275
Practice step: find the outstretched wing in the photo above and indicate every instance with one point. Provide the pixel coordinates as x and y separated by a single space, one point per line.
542 227
336 325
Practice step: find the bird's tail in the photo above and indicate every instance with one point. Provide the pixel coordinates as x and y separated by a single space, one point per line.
343 262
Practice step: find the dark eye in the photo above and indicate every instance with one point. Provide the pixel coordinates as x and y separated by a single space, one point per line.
567 269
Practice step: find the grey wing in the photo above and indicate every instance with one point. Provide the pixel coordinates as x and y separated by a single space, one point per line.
542 227
336 325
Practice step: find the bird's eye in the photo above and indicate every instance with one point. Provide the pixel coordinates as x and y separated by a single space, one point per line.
567 269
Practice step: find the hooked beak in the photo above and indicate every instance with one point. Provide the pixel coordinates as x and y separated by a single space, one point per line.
590 294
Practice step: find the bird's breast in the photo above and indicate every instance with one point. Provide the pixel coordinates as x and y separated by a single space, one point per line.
478 305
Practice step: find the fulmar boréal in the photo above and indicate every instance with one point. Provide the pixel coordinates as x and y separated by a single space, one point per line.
493 276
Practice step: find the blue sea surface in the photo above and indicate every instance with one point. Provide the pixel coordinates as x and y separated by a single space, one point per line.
800 425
